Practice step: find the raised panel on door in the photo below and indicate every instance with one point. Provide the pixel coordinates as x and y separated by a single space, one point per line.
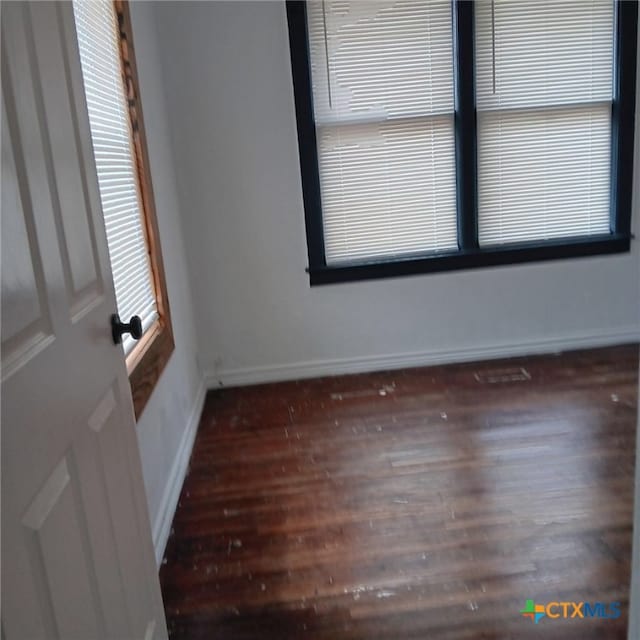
114 520
26 323
22 295
55 536
93 470
74 209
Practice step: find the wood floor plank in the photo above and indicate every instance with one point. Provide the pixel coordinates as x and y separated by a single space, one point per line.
422 503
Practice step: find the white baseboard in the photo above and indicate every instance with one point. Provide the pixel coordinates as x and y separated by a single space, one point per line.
363 364
177 473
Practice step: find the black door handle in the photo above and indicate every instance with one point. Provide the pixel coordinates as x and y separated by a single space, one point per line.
118 328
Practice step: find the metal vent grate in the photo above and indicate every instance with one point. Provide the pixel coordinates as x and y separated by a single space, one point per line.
502 375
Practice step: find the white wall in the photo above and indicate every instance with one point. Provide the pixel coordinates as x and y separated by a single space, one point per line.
168 423
230 100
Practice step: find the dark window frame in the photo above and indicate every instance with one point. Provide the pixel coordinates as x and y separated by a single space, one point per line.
469 254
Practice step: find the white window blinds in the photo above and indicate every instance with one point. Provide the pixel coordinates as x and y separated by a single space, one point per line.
110 124
382 76
544 88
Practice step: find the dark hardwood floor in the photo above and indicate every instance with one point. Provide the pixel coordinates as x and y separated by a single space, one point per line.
423 503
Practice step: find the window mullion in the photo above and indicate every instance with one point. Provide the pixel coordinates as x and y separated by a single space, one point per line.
623 113
465 124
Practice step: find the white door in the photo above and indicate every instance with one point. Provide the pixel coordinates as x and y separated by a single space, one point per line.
77 560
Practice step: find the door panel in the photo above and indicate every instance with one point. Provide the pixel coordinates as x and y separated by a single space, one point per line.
77 559
25 311
73 213
57 554
20 286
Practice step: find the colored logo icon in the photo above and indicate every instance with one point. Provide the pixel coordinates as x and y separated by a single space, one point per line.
533 611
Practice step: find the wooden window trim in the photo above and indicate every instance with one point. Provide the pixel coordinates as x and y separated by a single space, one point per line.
149 357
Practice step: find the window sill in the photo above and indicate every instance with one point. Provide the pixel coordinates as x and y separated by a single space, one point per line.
147 361
470 259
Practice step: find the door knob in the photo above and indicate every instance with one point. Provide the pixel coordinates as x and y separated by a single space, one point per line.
118 328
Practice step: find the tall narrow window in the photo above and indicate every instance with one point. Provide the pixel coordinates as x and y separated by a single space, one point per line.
117 133
383 98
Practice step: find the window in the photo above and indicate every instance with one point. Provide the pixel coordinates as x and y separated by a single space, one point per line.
117 132
436 135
